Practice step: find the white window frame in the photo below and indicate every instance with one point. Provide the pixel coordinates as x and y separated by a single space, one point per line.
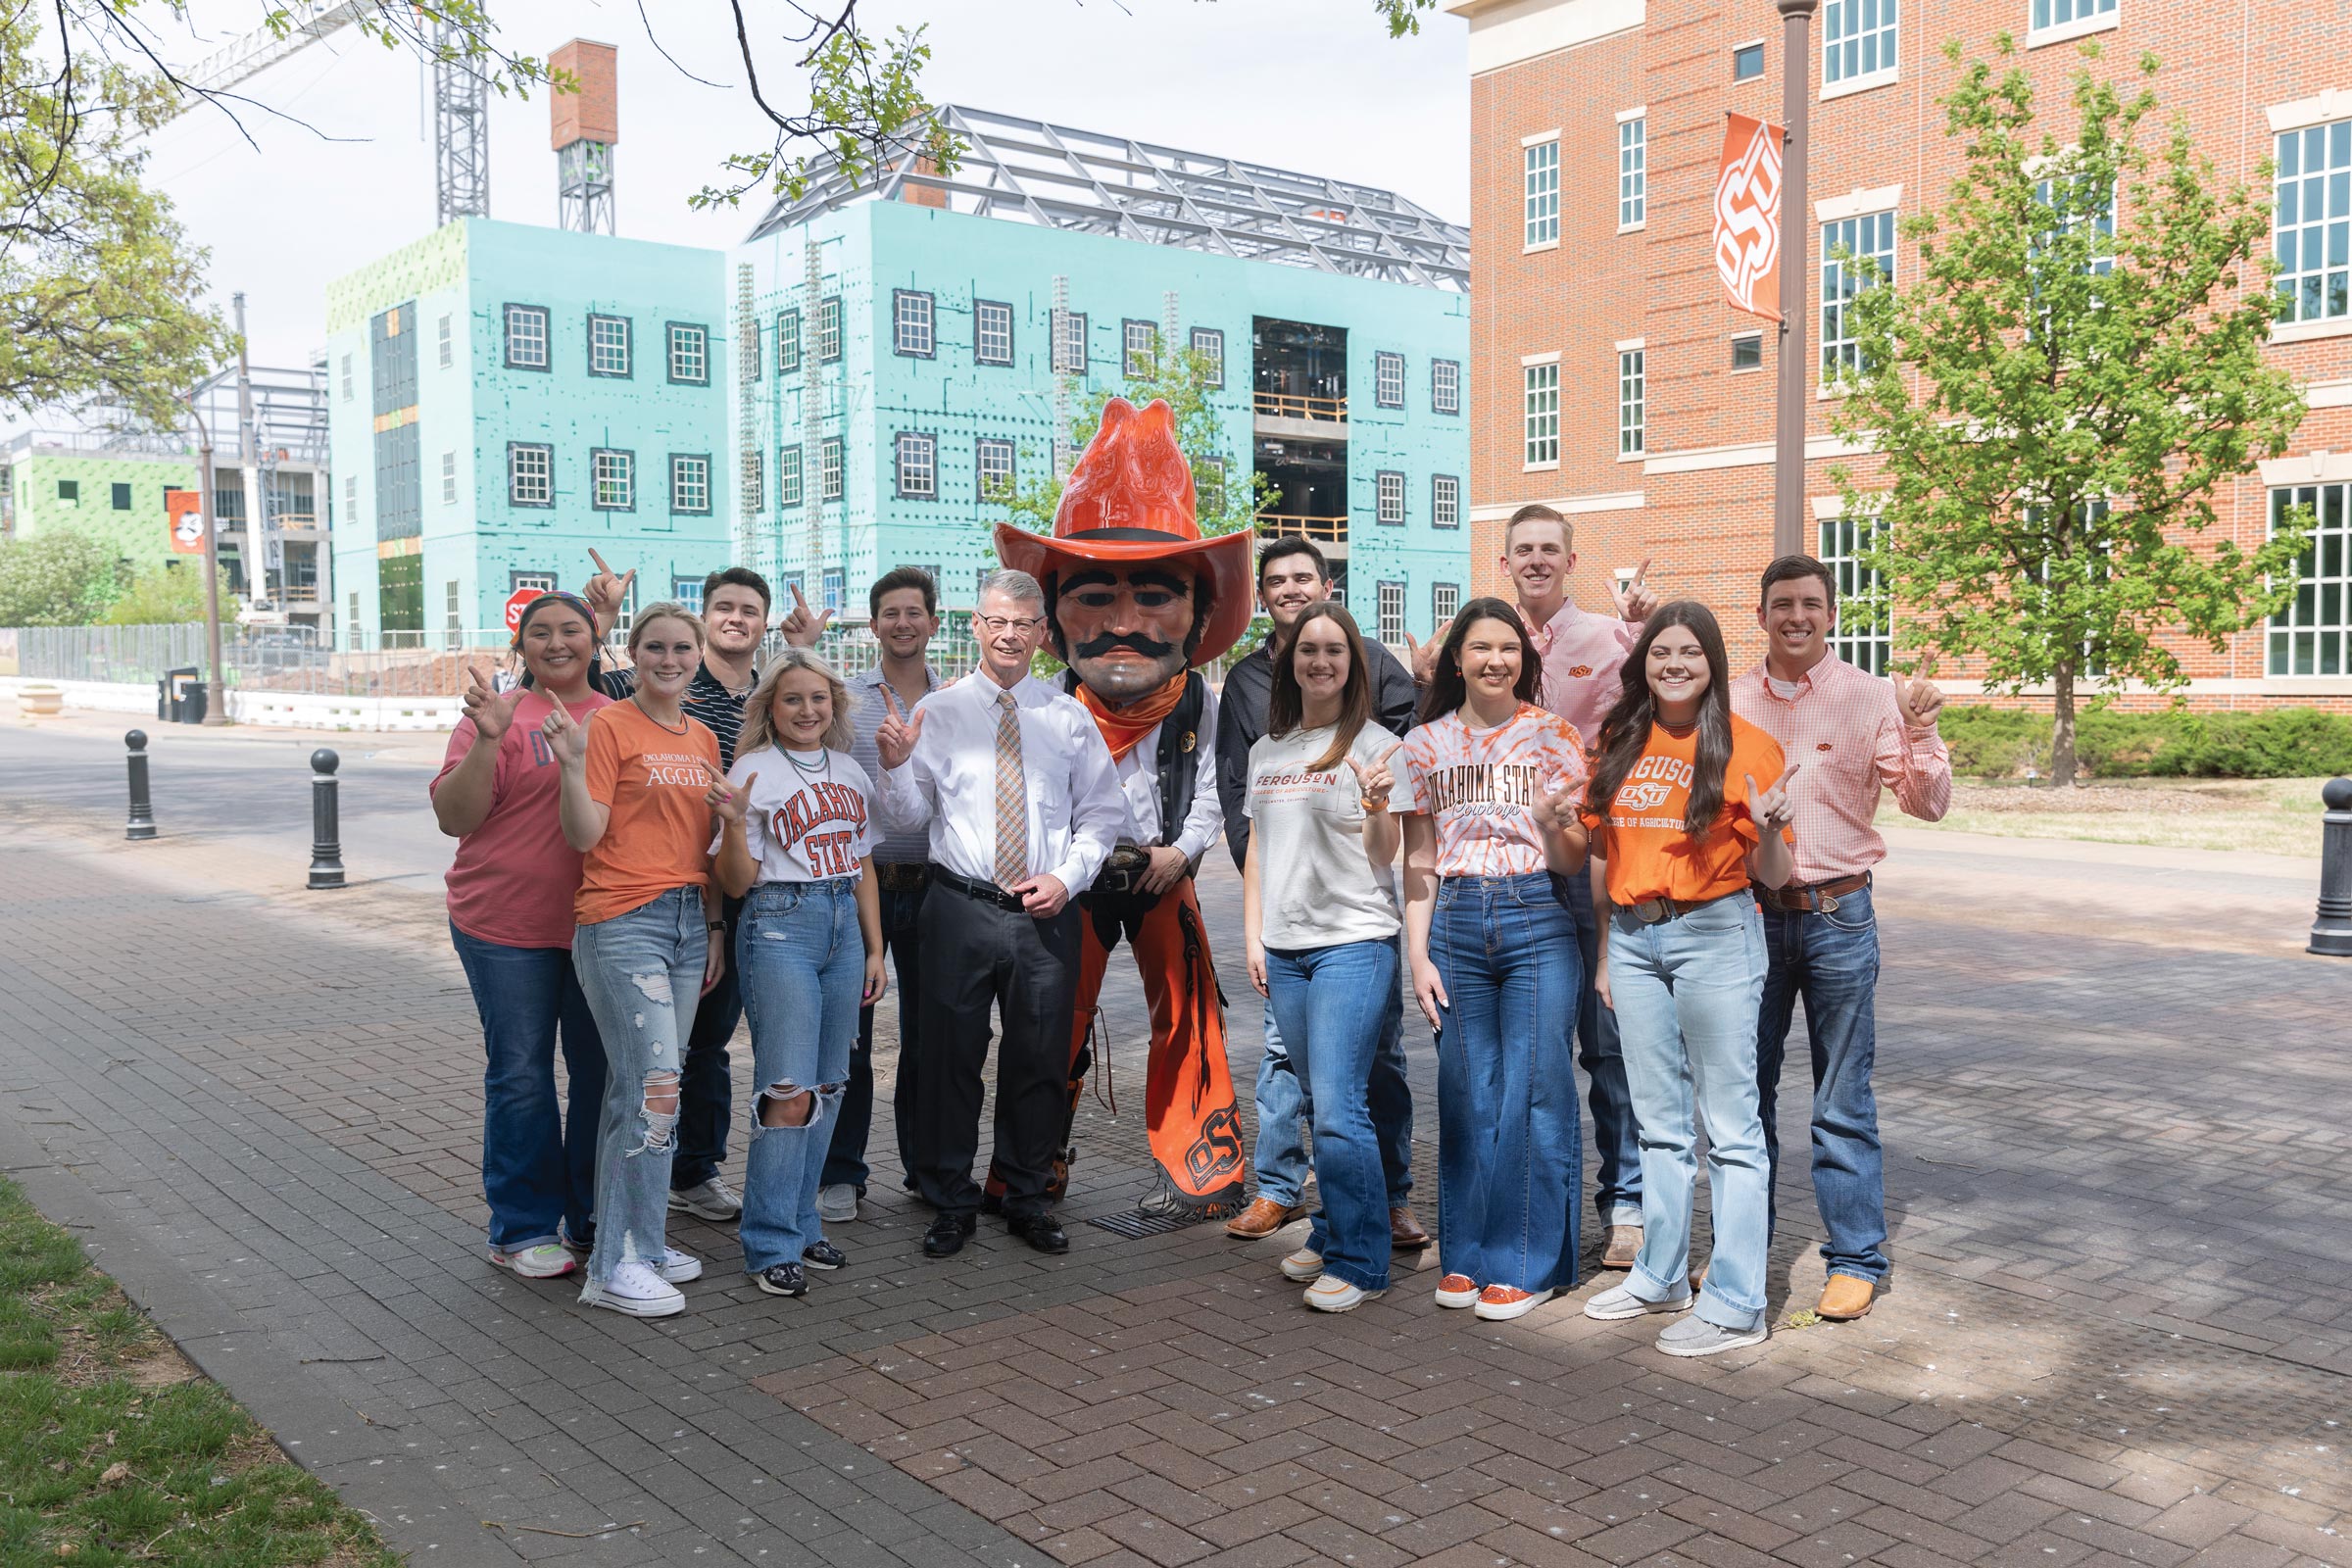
1387 497
350 381
611 479
1069 343
1139 347
609 355
687 591
2328 237
755 482
689 353
1633 401
915 460
992 322
1445 387
2302 620
832 462
1444 602
913 321
529 331
1871 234
448 342
522 482
829 325
1864 635
788 331
1209 344
1209 486
1875 38
1388 612
449 478
689 475
1539 191
1633 170
1540 412
1388 379
993 469
790 478
2087 17
1445 501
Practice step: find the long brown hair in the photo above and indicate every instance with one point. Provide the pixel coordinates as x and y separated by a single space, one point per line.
1286 705
1625 733
1448 690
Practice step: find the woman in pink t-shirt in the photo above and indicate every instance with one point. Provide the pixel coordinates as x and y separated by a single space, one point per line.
511 918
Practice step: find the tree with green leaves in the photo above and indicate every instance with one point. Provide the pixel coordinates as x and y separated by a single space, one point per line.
163 593
56 579
2061 391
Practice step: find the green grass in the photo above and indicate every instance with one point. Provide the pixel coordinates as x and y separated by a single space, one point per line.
114 1451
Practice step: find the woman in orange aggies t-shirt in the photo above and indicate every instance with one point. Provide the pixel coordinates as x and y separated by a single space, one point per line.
1689 804
639 784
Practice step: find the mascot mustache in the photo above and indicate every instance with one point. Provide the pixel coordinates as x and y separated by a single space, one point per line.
1148 647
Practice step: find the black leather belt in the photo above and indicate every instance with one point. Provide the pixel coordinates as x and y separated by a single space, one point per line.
985 892
1654 911
902 876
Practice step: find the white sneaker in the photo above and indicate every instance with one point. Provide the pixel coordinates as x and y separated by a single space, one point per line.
678 1267
1619 1301
714 1201
837 1204
546 1261
1330 1294
1303 1265
636 1290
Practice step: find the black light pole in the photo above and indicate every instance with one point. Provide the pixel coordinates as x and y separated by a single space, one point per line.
215 706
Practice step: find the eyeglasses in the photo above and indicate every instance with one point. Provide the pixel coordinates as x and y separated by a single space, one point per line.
995 625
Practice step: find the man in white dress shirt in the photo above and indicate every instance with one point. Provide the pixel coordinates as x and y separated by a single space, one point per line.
1023 805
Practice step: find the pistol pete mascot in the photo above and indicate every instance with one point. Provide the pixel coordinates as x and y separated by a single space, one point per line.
1138 601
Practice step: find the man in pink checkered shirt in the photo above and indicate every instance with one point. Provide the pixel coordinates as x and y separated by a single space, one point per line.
1854 734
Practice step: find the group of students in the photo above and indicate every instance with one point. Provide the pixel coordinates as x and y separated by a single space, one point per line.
1602 838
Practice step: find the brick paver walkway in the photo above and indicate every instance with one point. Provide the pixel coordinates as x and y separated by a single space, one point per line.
2118 1332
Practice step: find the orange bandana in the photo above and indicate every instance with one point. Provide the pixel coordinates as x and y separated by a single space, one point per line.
1124 727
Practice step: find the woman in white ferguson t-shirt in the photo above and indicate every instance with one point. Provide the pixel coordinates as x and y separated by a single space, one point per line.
797 834
1319 910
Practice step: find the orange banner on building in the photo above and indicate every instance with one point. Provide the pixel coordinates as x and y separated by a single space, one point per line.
1748 215
185 508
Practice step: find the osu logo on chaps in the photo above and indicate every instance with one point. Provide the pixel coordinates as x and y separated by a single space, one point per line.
1218 1150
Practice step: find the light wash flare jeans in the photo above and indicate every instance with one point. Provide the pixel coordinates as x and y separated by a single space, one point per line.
802 963
1687 991
1334 1002
643 973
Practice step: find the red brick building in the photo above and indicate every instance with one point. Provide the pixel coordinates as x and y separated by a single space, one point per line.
1611 381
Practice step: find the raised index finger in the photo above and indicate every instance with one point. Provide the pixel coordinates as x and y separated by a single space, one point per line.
600 562
797 598
1642 572
1391 751
890 699
1782 782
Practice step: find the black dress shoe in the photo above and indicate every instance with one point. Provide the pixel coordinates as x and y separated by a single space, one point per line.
947 1234
1041 1231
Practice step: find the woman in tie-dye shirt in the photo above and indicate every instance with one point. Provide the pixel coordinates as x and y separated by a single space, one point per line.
1495 784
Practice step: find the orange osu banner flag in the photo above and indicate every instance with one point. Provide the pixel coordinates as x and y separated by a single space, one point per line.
1748 215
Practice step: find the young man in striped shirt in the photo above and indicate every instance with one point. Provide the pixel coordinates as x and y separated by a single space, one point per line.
1855 734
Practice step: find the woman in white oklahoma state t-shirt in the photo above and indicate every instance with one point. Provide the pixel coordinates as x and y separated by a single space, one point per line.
1321 921
797 835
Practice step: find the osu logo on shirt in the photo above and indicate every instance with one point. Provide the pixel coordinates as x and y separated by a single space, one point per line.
1644 797
1580 671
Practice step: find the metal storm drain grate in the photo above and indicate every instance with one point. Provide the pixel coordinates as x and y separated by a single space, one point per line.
1135 1226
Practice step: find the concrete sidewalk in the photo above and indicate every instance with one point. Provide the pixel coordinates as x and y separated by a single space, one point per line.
2118 1330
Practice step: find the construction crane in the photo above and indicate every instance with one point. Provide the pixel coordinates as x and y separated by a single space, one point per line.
460 93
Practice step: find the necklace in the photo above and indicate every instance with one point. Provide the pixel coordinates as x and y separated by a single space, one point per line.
823 767
684 721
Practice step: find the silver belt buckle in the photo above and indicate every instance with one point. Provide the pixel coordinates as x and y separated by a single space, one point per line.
1827 903
1649 912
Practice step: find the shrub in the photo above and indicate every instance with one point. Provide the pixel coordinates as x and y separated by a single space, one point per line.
2275 743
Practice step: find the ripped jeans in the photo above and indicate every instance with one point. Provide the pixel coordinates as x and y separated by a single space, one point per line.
643 973
800 959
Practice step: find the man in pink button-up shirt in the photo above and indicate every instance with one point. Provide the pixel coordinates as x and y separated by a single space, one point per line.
1855 734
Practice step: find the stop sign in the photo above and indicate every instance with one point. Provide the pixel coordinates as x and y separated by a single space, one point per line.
516 602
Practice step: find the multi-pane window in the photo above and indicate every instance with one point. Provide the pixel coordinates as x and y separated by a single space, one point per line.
993 461
1388 495
911 324
1445 501
2313 221
2062 12
1542 177
1389 613
1140 347
613 479
749 351
1069 343
689 353
1388 380
754 487
1844 244
1209 344
1445 386
449 478
1632 402
687 591
832 586
1857 39
690 484
788 341
1444 602
452 618
531 475
1209 486
449 343
918 465
1543 414
828 328
2312 635
526 337
828 468
1863 636
608 345
992 332
349 385
1633 171
351 495
788 476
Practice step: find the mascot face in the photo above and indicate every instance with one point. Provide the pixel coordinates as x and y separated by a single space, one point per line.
1127 630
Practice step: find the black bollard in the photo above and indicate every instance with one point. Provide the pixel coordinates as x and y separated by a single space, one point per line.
142 812
2332 932
326 839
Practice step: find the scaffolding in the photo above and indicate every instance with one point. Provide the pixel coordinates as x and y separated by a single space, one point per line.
1028 171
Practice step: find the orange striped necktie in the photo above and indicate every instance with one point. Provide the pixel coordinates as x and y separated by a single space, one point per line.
1013 798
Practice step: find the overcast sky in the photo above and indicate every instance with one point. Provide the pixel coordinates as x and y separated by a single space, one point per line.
1311 84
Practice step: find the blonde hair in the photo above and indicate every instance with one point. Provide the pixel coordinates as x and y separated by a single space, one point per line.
759 727
665 610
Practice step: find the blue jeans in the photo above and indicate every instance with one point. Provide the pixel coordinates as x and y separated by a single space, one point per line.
803 963
1616 1141
1334 1004
1686 991
538 1159
1284 1109
1510 1142
640 971
1832 960
845 1162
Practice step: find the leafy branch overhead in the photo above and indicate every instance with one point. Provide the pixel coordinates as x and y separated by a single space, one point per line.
2063 392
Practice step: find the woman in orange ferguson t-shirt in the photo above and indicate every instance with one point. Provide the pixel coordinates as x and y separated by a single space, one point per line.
1681 817
640 783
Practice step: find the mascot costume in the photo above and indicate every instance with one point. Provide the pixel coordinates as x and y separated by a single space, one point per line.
1138 601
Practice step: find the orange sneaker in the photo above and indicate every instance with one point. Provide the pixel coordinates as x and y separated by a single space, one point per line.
1500 1303
1458 1290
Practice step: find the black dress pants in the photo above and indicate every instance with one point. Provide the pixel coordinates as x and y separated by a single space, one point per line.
975 953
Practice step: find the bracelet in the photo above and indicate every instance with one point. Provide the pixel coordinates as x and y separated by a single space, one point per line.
715 926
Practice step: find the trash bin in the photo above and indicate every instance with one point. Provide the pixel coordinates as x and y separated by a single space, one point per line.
192 699
179 683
